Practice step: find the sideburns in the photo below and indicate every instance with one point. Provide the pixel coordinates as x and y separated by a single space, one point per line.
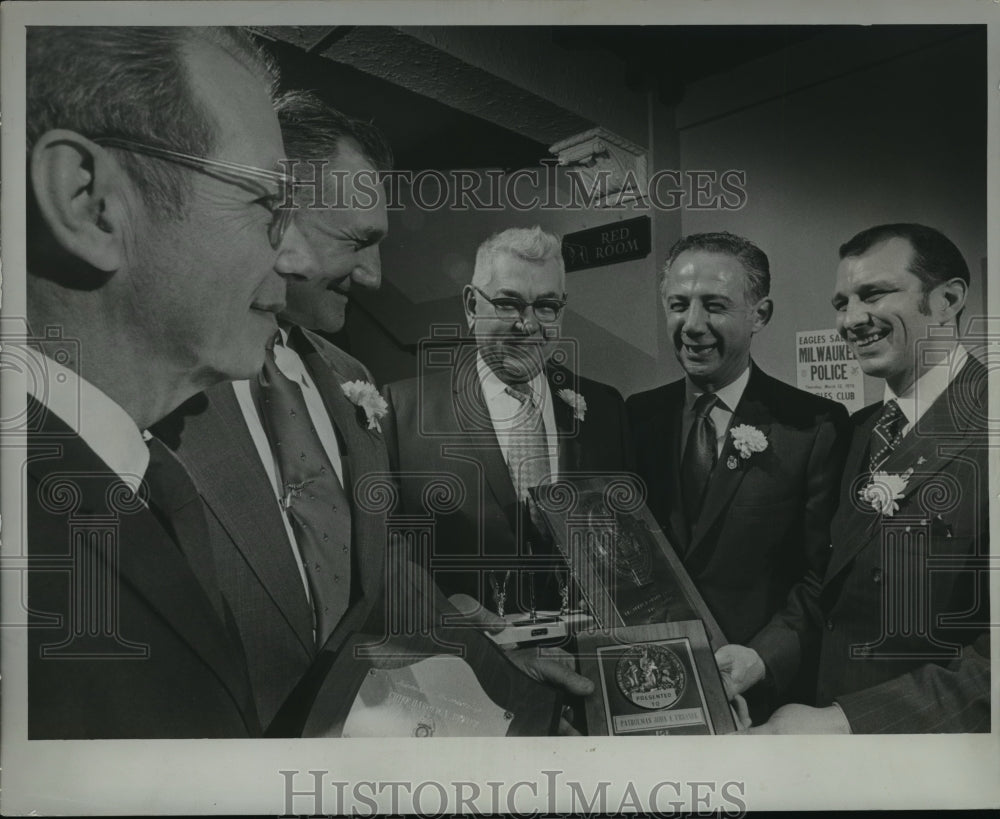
924 308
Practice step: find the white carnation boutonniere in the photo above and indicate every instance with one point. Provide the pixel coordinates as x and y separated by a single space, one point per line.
576 401
747 440
884 490
364 396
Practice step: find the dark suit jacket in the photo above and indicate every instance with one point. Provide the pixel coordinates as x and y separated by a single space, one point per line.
763 523
256 568
902 611
439 432
164 664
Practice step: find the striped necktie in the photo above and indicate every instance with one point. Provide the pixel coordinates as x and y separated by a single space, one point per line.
885 436
528 453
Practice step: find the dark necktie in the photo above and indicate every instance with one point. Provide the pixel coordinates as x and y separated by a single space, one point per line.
885 436
699 457
311 495
174 500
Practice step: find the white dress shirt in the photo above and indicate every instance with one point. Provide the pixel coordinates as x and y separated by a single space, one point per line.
292 366
721 414
916 400
99 420
504 408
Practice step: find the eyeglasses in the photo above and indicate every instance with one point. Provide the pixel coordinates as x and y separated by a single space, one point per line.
512 308
230 172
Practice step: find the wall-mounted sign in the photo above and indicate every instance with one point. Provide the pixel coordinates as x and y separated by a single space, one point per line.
609 244
825 365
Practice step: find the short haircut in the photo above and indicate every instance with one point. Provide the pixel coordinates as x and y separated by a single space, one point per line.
531 244
313 129
131 83
753 259
935 258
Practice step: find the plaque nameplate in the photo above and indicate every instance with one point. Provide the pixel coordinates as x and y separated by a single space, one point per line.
656 679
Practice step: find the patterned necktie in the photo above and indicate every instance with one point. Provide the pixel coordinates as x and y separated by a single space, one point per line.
528 452
699 457
885 436
311 496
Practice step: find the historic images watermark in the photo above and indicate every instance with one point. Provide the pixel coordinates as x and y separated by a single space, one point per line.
317 793
87 561
547 187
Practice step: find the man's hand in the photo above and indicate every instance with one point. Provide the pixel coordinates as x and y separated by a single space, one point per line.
553 666
802 719
740 667
741 713
474 613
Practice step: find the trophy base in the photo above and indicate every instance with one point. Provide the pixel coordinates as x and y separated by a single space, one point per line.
544 627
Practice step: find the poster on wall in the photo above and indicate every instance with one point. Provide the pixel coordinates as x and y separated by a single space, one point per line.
825 365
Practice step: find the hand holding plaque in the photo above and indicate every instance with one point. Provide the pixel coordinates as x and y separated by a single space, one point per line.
651 656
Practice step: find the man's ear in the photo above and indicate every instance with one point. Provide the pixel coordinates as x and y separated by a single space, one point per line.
469 304
762 313
948 299
78 190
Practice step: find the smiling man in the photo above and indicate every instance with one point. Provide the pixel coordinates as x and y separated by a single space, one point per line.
156 248
901 614
500 419
746 528
279 458
296 565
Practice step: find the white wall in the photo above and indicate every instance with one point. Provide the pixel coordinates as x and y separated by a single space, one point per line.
901 141
900 138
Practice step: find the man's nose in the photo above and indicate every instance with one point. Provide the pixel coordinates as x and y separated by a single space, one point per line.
528 322
855 314
295 257
694 320
368 270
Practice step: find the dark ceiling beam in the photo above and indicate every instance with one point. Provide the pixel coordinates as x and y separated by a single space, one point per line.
331 38
392 55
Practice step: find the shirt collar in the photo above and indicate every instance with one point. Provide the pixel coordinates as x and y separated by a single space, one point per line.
288 360
730 395
493 386
99 420
923 392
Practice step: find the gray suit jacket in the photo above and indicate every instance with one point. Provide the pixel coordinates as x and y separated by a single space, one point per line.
256 568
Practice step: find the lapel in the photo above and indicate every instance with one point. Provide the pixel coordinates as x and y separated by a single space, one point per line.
569 431
669 449
471 413
363 453
222 458
150 561
852 525
723 482
937 439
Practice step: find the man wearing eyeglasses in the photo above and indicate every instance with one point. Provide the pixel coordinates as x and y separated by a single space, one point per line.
501 420
156 251
302 560
297 573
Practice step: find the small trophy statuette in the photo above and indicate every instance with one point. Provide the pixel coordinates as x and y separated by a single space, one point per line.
564 597
499 591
